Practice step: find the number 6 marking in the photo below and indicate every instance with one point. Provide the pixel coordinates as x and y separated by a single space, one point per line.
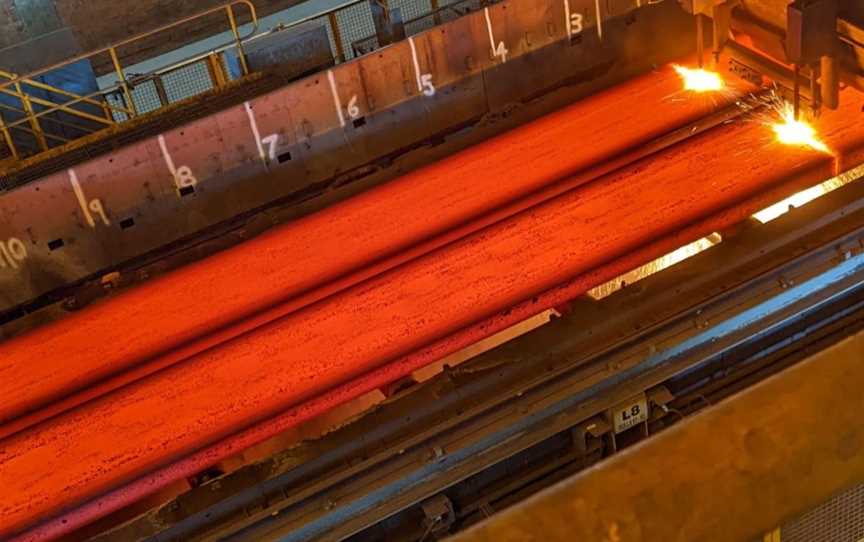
353 110
424 80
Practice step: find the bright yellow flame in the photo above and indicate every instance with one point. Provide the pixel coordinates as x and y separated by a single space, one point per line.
699 80
797 132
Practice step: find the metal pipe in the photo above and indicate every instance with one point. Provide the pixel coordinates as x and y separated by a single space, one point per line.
237 40
7 137
830 84
46 119
49 88
700 40
52 107
337 36
816 102
31 118
796 91
216 70
130 101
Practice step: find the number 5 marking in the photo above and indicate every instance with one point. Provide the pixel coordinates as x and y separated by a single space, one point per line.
424 80
500 50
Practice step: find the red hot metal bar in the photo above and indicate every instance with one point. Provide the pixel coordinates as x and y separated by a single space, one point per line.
40 372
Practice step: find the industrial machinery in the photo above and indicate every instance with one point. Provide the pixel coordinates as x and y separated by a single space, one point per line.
382 270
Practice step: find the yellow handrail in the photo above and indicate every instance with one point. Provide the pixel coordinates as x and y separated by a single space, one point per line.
137 37
44 86
97 98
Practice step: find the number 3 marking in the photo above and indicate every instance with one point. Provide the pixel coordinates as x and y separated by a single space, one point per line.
573 21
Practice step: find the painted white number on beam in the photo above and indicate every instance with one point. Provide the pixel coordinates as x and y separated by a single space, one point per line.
271 140
182 175
424 80
337 103
12 252
353 110
88 207
499 50
573 21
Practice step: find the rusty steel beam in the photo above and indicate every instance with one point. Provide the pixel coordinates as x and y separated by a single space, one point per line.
311 360
331 251
177 175
732 473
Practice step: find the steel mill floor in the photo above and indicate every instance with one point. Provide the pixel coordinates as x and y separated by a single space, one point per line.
281 341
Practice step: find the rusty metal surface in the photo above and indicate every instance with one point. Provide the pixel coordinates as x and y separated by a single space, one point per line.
295 139
764 456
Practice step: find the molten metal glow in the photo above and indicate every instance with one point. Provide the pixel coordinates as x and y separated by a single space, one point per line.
797 132
663 262
699 80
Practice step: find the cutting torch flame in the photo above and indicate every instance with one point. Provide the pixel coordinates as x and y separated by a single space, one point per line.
699 80
797 132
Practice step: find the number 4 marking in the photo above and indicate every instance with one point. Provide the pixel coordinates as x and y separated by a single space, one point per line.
500 50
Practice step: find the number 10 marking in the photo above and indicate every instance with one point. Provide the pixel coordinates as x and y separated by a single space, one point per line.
12 251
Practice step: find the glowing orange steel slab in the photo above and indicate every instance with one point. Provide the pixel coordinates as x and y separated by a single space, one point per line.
187 311
240 383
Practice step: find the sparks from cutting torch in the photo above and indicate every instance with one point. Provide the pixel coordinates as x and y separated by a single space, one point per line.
777 113
701 84
699 79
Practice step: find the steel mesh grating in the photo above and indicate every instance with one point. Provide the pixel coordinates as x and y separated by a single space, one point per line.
840 519
188 81
355 24
146 98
